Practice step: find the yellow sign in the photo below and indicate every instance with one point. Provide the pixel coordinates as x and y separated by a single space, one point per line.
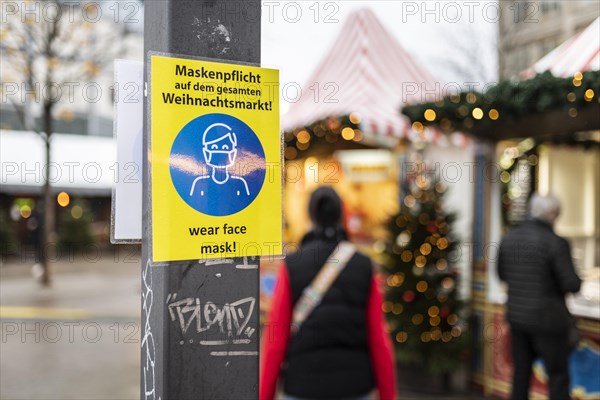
215 160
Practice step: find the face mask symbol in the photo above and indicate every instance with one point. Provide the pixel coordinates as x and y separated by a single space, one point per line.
219 146
220 158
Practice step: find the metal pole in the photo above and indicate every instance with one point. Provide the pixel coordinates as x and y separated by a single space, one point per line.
185 354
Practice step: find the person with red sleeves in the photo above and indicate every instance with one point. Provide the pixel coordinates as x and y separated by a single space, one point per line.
340 350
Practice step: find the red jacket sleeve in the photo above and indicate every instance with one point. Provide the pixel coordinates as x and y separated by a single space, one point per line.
276 334
380 346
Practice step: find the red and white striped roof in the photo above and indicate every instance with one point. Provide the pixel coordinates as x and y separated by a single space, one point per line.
579 53
366 72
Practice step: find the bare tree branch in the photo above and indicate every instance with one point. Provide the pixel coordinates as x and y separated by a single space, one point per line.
43 52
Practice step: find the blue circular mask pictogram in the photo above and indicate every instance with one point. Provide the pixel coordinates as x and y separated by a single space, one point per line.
217 164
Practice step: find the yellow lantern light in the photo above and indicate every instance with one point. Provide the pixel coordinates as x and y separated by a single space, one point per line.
63 199
429 115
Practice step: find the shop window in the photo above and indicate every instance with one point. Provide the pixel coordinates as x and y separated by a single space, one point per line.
548 6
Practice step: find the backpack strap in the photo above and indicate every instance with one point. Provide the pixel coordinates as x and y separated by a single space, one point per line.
313 293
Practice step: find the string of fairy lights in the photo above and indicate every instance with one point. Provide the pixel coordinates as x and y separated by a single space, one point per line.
507 101
329 130
466 111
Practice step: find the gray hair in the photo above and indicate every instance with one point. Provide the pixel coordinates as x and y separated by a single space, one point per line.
545 207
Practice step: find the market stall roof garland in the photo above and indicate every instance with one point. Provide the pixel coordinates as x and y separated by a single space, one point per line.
544 106
338 131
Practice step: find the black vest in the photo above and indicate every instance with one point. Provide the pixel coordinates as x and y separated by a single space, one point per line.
329 356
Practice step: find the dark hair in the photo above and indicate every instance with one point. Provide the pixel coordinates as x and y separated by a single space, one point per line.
325 207
325 211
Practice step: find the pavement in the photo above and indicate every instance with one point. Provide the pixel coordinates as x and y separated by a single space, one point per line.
79 338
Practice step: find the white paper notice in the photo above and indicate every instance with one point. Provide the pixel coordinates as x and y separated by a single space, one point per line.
126 226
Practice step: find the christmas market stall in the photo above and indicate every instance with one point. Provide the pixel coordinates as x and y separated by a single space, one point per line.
345 131
539 134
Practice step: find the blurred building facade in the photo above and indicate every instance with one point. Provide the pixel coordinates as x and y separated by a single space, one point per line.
528 30
82 151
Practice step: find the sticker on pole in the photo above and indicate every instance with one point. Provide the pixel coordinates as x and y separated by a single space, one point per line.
215 160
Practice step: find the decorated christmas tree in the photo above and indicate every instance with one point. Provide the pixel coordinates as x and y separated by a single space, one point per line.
425 315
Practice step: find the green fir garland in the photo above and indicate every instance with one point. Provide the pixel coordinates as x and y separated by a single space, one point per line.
509 100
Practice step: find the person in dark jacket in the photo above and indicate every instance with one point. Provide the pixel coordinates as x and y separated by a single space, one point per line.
341 350
537 266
